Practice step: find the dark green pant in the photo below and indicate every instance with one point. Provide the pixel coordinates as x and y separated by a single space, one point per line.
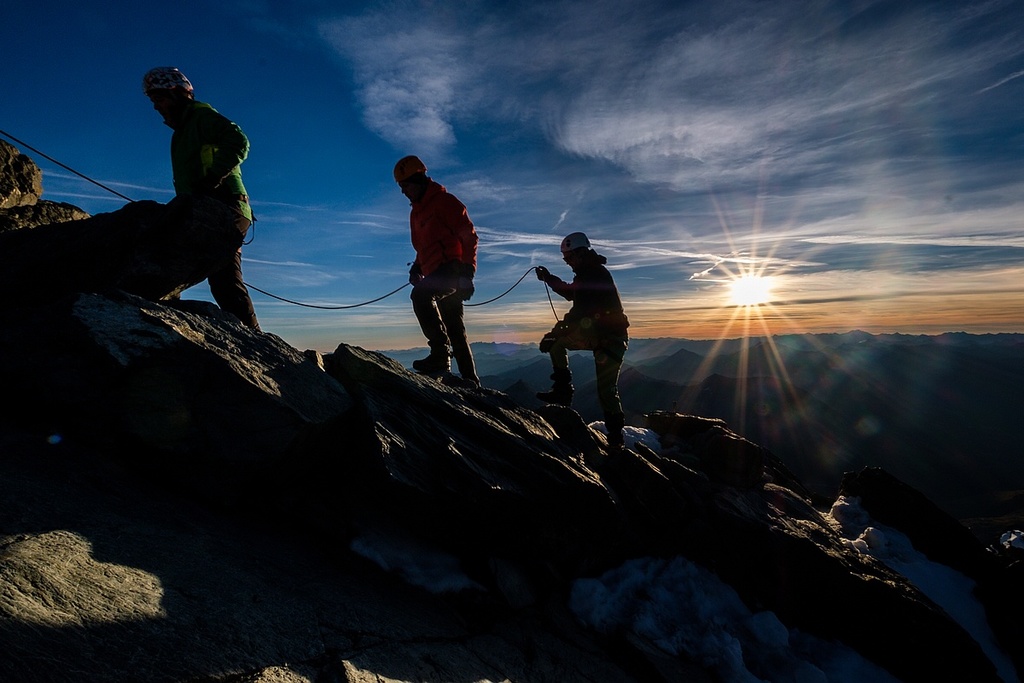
608 354
228 288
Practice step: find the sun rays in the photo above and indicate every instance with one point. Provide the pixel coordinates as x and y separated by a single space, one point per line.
751 290
753 286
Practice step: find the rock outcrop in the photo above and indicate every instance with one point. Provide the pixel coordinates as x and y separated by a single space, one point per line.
182 498
21 189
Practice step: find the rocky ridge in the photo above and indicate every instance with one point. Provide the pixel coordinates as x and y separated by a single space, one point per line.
182 498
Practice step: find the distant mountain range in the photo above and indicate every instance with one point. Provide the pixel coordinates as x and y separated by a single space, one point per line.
940 412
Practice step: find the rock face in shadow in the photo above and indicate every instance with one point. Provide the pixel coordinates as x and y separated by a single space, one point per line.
146 248
182 499
192 404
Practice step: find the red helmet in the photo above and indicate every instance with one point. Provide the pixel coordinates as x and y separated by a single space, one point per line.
165 78
408 167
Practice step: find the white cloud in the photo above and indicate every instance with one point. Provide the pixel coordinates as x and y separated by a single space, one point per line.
408 75
685 96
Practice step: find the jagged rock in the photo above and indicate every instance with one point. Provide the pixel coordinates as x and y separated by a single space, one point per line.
21 186
708 445
933 532
504 486
43 212
146 248
724 456
673 428
196 398
243 422
21 181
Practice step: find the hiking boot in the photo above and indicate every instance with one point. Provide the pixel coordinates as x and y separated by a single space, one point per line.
467 368
561 391
614 424
460 382
558 396
616 444
437 361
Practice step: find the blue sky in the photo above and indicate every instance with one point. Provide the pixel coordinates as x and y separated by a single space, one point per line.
864 155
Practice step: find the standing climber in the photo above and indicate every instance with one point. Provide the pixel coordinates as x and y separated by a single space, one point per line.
442 274
207 150
595 322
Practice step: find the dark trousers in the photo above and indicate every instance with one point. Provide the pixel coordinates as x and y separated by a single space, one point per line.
440 315
608 354
228 288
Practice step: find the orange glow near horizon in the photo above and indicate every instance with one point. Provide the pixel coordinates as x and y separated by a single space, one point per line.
976 313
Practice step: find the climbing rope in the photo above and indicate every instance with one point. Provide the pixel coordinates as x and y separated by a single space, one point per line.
547 290
64 166
489 301
395 291
331 308
261 291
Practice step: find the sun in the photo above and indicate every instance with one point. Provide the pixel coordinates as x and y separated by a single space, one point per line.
750 290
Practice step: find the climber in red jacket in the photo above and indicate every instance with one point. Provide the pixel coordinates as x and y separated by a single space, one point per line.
442 274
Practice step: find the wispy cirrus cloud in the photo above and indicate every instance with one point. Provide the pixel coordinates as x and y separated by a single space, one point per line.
408 76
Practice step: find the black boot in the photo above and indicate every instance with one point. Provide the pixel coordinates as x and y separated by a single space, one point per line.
467 368
437 361
614 425
561 391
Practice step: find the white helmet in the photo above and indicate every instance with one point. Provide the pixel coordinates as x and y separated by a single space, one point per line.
165 78
574 241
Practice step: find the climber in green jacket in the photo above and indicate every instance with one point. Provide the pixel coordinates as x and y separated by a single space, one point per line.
207 151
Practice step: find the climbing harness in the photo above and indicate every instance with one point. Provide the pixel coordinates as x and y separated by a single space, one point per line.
261 291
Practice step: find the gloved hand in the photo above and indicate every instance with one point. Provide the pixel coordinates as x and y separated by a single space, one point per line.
547 342
415 275
543 273
464 286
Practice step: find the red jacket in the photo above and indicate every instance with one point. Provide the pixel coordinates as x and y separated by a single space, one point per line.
441 230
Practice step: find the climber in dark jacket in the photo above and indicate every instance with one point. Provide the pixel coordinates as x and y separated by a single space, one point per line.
595 322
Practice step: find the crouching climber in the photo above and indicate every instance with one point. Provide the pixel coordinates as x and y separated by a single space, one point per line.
595 322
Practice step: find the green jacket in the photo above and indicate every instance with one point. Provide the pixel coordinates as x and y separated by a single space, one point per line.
205 147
